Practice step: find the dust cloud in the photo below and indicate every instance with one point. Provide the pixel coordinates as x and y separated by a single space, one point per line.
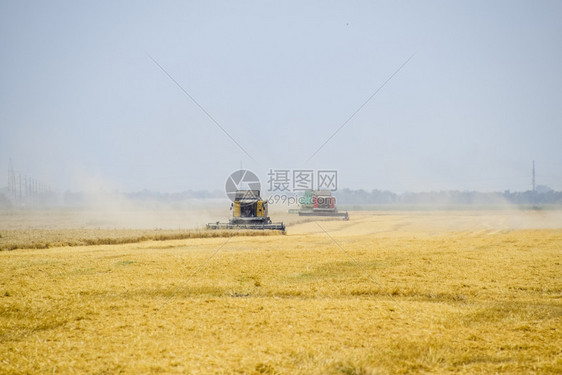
117 211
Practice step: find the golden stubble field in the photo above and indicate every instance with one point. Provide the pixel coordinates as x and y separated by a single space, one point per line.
385 293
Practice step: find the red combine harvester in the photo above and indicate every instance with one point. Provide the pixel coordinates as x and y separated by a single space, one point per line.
320 203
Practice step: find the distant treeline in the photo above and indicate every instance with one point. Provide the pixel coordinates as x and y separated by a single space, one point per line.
542 195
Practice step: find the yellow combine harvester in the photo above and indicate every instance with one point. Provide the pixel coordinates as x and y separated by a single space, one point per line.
249 211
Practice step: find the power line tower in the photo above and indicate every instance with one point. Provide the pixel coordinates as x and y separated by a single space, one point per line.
25 190
534 176
11 181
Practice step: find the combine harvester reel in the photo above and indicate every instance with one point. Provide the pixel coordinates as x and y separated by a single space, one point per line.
320 203
249 211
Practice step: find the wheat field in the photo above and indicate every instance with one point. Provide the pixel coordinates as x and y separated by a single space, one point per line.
384 293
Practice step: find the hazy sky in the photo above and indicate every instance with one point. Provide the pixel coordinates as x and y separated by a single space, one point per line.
82 105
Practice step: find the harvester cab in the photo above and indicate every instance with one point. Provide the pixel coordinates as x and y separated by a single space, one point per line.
248 206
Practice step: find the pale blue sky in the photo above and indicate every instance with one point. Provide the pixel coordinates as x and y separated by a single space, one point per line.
82 106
